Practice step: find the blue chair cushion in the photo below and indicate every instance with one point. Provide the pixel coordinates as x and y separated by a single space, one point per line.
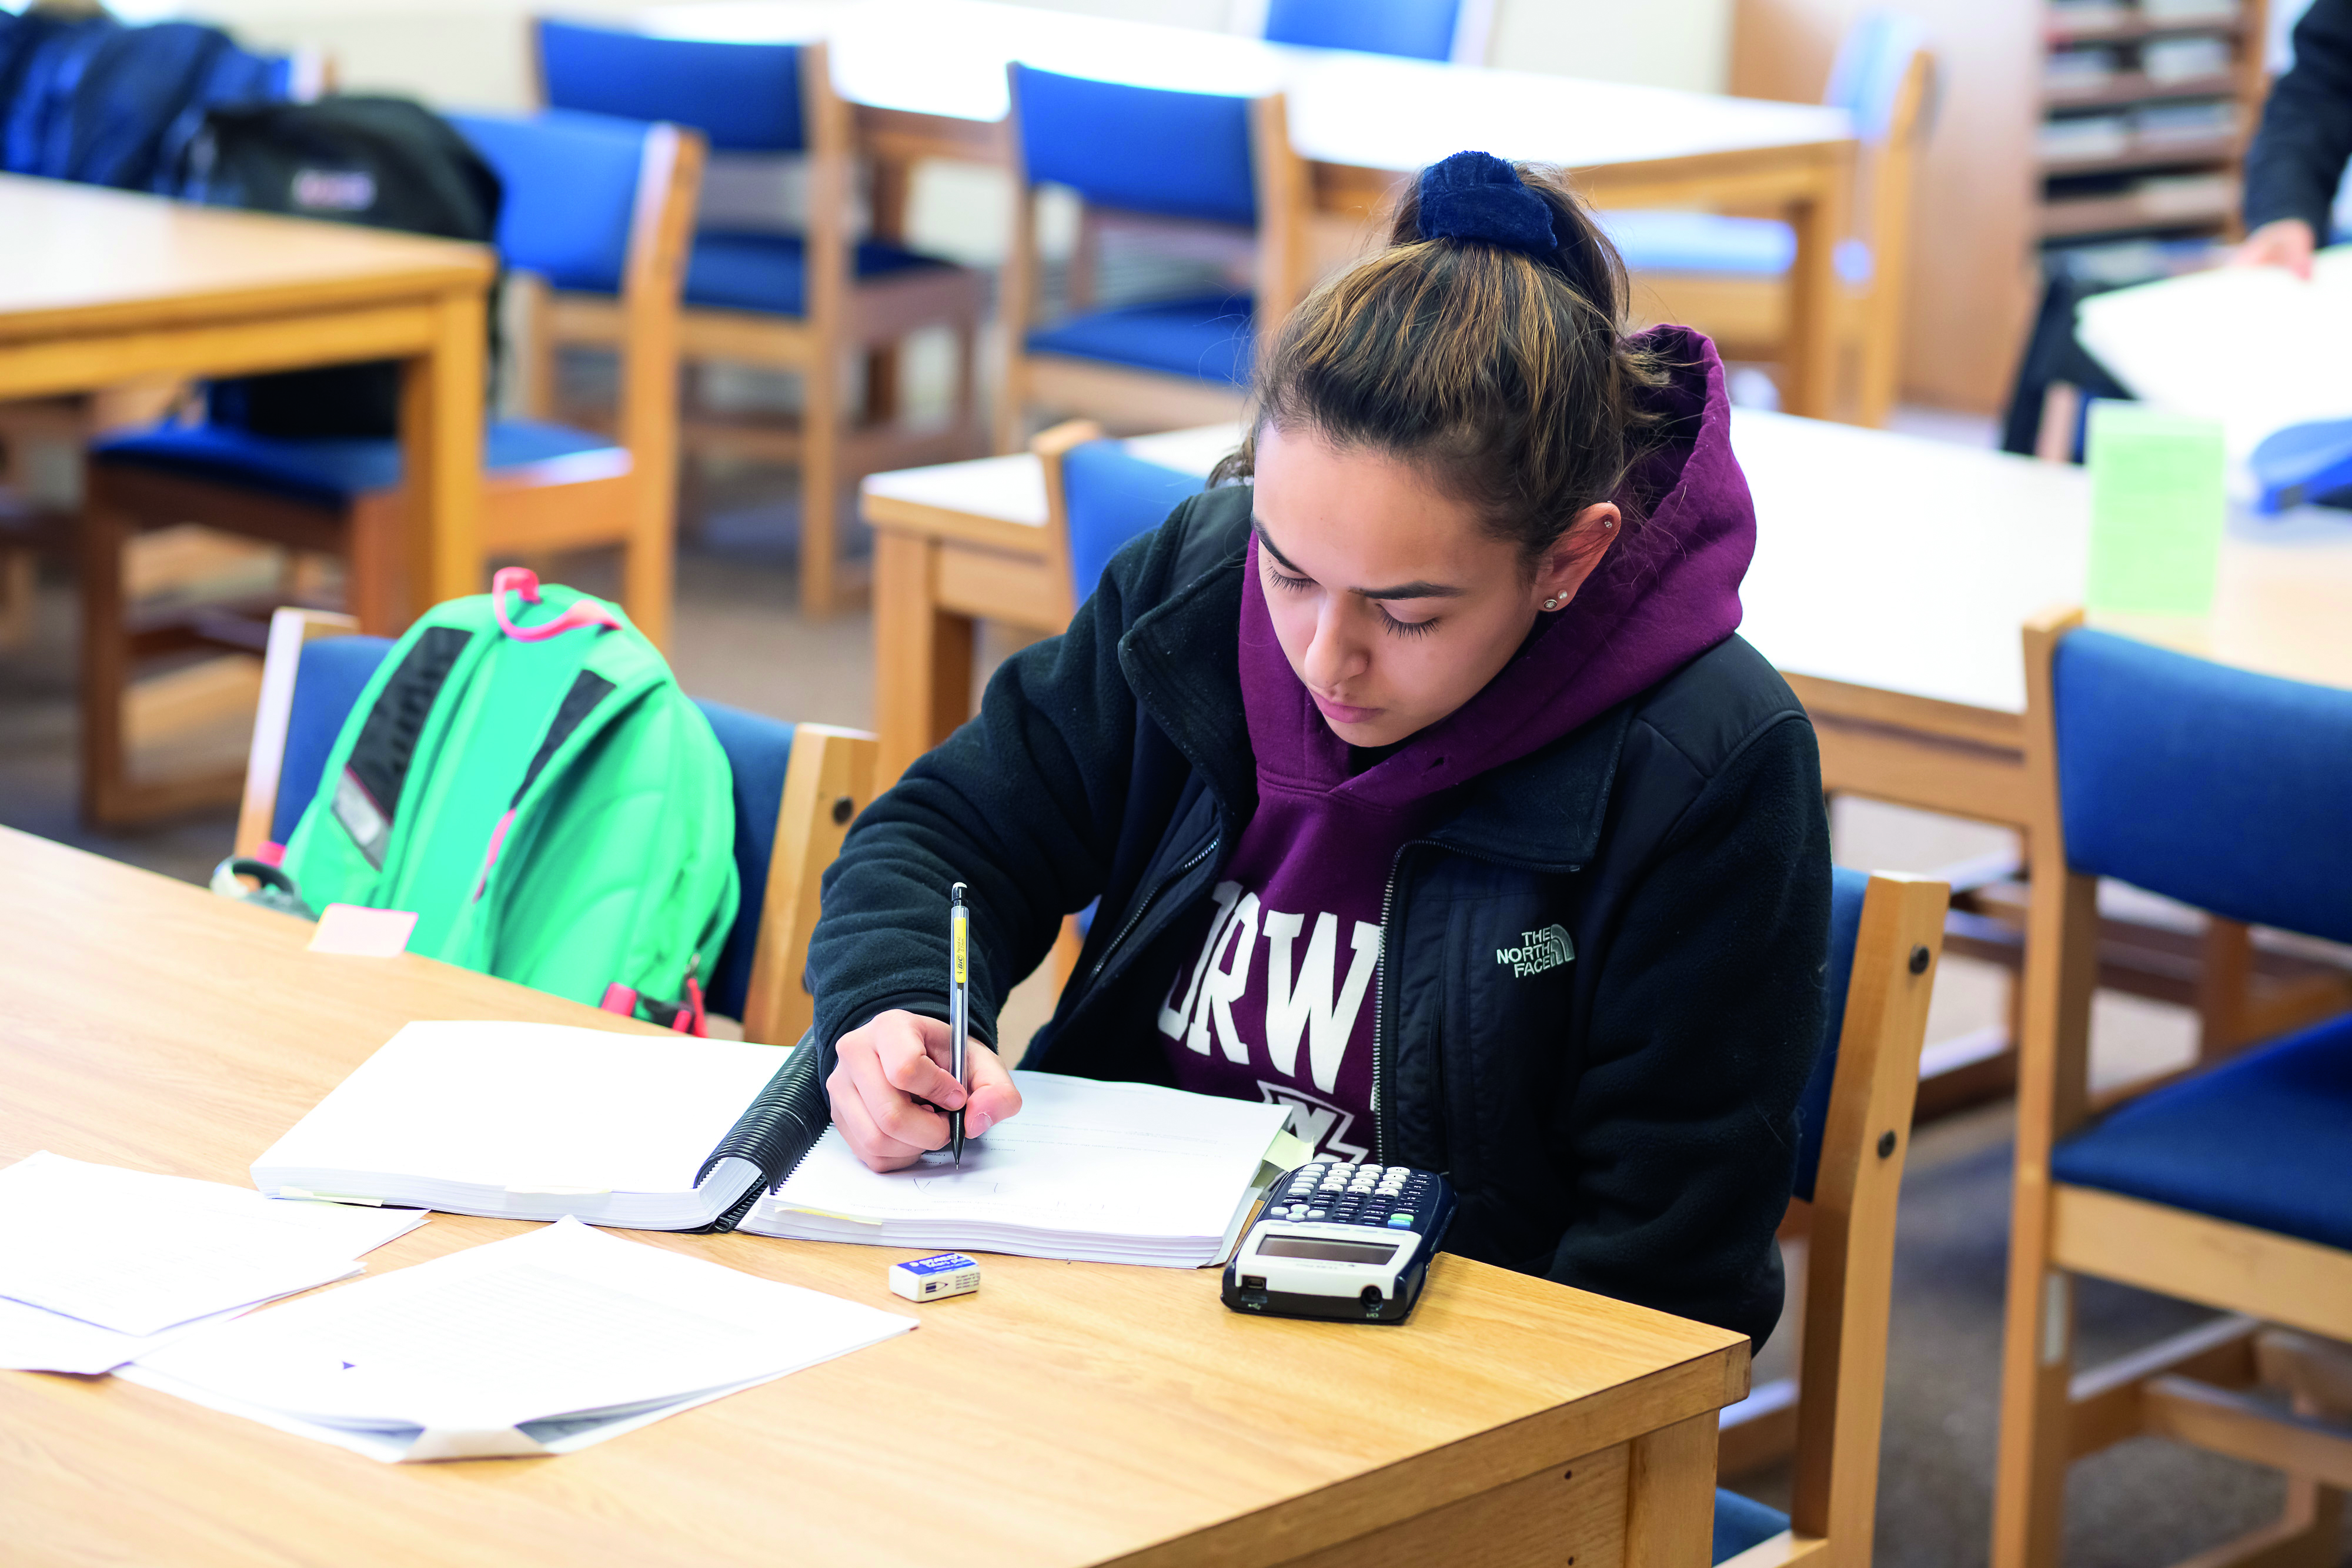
570 183
2214 785
322 472
1139 148
1212 338
2265 1139
759 749
334 671
1741 1523
1417 29
1662 240
327 683
1112 497
769 272
1847 889
744 96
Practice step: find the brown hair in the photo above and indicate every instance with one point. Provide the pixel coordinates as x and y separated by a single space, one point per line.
1505 376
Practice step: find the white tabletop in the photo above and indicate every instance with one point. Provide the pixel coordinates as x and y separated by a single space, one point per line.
946 58
1892 562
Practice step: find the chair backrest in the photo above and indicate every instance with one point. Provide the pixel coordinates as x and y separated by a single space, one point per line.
797 788
1138 149
745 97
2223 789
1417 29
1885 932
1098 496
606 204
1874 62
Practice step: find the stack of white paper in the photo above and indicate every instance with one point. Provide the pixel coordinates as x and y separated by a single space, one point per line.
100 1264
2254 347
1108 1173
531 1122
538 1344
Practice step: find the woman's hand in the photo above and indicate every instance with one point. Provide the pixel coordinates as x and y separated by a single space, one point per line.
887 1066
2285 242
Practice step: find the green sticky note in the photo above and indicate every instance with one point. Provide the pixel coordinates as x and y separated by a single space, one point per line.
2156 510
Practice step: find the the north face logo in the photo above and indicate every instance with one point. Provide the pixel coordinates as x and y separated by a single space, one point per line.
1537 951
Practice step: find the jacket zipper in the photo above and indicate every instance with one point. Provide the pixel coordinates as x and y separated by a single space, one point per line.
1381 978
1204 852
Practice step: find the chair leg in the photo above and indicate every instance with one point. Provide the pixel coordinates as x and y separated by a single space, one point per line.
105 661
374 576
971 434
820 486
19 582
2037 1367
1011 409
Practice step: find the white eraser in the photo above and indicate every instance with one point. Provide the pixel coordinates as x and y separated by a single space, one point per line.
940 1274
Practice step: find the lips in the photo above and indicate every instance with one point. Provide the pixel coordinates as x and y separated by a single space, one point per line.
1340 713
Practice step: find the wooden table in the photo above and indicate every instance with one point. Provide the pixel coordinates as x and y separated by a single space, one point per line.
100 287
927 78
1069 1414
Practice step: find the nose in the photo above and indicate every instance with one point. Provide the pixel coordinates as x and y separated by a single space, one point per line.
1337 655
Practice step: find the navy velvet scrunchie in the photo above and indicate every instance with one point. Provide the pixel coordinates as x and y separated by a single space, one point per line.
1477 196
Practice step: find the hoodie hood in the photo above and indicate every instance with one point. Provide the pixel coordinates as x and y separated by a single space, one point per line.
1667 592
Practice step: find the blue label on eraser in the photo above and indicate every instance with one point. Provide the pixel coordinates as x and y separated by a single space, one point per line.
940 1263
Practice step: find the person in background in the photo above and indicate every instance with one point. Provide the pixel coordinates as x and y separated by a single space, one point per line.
2297 158
1423 782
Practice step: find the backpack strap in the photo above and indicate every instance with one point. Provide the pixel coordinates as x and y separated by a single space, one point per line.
581 611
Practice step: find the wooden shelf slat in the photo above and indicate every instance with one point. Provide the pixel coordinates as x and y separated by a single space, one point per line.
2218 149
2137 87
2133 31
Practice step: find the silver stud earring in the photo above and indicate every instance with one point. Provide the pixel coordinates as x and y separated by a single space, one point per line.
1551 604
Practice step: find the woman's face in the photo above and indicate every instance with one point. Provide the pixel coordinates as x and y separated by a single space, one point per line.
1392 602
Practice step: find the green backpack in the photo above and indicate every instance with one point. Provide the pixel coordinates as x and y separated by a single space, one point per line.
541 794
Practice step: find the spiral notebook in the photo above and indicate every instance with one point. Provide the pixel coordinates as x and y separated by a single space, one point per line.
540 1121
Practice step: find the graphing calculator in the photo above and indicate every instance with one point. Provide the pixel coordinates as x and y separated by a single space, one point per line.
1349 1242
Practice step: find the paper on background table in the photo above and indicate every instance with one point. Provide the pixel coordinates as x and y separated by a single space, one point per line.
137 1252
32 1340
358 932
540 1343
2253 346
1128 1172
2156 510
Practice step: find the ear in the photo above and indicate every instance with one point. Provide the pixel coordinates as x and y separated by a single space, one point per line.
1576 554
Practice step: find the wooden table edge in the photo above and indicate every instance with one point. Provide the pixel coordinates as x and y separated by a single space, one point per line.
929 520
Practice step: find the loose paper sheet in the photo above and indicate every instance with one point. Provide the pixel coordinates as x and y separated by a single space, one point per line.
137 1252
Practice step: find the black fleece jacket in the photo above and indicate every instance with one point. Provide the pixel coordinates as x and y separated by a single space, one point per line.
1624 1122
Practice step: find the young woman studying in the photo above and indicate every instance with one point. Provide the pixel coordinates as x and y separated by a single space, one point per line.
1423 782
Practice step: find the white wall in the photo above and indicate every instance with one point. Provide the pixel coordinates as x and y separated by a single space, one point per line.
471 52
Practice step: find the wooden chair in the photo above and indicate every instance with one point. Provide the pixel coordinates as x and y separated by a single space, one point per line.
587 197
2230 1186
1727 275
1195 171
1884 934
797 790
810 303
1454 30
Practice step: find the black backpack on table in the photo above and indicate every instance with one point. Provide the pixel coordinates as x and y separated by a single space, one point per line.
383 162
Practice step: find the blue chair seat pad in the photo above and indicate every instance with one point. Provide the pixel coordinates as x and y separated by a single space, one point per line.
1741 1523
769 272
1209 337
323 472
1711 242
2260 1140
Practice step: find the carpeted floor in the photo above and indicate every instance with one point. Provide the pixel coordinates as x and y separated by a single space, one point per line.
2142 1504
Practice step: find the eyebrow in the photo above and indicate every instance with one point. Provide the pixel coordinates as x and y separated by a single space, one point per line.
1402 590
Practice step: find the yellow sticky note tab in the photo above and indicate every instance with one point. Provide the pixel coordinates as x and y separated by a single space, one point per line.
358 931
1289 1151
2156 510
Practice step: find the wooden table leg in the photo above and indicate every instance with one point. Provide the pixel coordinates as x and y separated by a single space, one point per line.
922 654
1819 220
1670 1495
441 453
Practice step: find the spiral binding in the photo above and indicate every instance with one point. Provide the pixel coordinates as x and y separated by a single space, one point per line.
775 1132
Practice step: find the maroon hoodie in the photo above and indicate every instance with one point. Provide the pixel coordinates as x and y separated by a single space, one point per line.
1278 1005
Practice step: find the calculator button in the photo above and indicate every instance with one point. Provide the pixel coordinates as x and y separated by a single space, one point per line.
1399 1221
1316 1213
